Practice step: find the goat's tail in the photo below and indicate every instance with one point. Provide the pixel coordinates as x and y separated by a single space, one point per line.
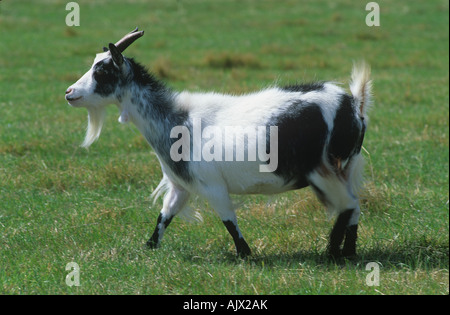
361 87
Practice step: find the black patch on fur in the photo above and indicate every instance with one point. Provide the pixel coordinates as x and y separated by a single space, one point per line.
347 134
304 87
351 234
107 77
302 132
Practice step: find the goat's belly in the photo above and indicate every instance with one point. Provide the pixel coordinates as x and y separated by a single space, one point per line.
260 188
255 183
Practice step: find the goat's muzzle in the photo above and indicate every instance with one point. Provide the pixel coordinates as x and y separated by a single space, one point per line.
69 96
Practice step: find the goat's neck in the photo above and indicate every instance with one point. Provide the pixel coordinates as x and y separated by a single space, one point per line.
153 114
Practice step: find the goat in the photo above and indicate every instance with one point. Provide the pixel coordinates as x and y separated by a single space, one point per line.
316 134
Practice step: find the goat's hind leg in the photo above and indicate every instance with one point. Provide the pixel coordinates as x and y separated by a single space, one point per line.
351 234
174 202
344 228
337 195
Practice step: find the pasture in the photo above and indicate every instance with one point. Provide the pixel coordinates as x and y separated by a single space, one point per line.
60 203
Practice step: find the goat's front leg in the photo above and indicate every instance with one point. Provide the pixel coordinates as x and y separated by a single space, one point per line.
174 202
242 248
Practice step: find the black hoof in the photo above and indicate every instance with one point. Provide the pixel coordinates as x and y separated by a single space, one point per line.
152 244
244 251
348 253
334 255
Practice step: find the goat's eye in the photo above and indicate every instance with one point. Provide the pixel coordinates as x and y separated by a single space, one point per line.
101 75
100 72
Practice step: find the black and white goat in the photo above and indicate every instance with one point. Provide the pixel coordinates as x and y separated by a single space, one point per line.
314 133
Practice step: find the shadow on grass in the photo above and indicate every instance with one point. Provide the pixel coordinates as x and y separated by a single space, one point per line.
409 255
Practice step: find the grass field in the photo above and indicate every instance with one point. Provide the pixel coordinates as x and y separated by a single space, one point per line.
60 203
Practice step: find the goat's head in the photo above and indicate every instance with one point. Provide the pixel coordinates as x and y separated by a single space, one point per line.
100 86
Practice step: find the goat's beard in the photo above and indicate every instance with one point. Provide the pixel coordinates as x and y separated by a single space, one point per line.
96 117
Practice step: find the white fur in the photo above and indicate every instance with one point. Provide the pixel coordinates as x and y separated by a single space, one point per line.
361 86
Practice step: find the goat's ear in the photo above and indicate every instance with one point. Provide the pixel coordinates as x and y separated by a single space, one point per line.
116 55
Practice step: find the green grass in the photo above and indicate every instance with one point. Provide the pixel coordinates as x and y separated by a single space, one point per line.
60 203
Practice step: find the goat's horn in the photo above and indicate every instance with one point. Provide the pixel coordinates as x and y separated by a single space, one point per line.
128 39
